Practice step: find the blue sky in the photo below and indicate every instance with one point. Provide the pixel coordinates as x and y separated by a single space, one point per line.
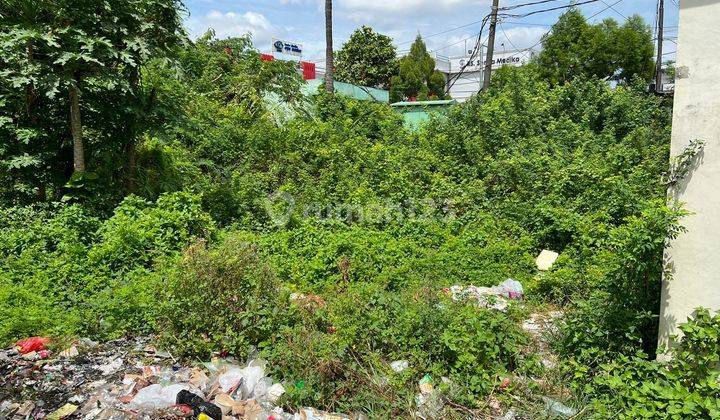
303 21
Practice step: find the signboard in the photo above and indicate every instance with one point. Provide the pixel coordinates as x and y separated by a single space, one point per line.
515 58
286 47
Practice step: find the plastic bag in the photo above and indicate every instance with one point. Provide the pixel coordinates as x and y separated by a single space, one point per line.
32 344
511 288
230 380
251 376
158 396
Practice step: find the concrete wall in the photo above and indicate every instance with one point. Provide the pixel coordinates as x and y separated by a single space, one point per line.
694 258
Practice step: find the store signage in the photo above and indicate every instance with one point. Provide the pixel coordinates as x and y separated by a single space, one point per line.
499 59
285 47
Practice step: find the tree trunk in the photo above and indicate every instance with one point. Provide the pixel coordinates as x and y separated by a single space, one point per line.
30 96
131 152
329 83
76 129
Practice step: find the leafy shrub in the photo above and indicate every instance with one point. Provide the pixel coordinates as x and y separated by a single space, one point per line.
620 313
685 387
223 298
64 271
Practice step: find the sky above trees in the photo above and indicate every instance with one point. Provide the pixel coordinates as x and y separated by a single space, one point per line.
302 21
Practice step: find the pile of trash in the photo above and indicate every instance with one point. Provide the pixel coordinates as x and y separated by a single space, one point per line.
495 297
131 379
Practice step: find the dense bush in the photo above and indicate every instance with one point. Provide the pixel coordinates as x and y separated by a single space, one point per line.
221 299
685 387
64 271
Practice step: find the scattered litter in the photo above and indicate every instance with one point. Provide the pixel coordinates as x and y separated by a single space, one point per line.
130 379
199 405
275 392
110 368
511 289
489 297
158 396
230 380
510 415
72 351
62 412
426 386
399 365
428 401
26 409
308 301
546 259
558 409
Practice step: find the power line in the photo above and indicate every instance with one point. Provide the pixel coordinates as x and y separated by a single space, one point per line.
502 29
572 4
443 32
476 49
615 10
605 9
515 6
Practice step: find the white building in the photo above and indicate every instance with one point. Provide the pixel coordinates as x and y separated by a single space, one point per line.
464 74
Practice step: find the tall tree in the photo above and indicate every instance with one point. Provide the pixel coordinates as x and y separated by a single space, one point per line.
82 57
605 50
367 59
417 77
329 65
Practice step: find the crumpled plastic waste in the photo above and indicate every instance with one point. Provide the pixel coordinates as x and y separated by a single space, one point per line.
557 409
158 396
32 344
546 259
62 412
399 365
429 403
489 297
198 405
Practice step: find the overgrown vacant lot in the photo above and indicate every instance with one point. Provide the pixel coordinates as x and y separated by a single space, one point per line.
327 242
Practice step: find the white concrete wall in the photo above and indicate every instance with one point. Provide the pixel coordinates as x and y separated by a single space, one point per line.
467 85
694 258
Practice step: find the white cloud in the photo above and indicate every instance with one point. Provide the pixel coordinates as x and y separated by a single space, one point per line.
229 24
389 14
518 36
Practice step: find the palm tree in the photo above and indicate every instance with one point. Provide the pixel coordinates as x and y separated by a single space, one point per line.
329 84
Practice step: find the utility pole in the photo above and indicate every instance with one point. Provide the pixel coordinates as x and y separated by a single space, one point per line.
329 81
491 46
658 62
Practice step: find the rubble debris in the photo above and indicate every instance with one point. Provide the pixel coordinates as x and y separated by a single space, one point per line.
130 379
546 259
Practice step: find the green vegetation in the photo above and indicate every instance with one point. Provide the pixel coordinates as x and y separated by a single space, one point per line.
323 242
367 59
417 78
605 50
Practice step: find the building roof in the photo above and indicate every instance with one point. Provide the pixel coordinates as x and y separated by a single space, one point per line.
425 103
